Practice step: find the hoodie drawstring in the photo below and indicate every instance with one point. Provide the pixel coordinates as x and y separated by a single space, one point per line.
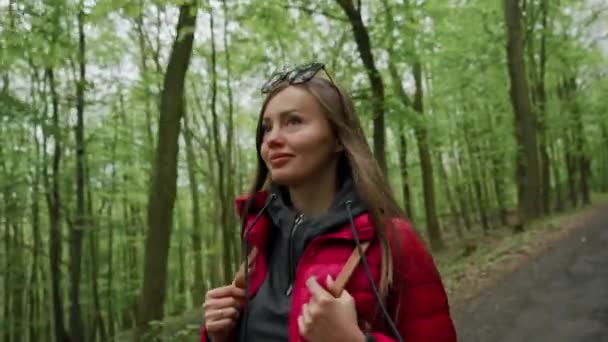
368 273
246 263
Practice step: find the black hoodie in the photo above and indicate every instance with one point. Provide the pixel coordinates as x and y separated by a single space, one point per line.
268 310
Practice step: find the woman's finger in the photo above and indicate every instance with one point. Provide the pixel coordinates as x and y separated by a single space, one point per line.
218 303
216 326
226 291
219 314
306 316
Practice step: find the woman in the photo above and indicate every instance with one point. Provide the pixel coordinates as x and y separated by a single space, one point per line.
318 201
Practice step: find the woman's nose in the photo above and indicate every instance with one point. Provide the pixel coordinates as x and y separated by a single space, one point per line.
274 136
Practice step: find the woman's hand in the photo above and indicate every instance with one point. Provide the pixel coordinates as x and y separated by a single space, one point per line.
221 311
326 318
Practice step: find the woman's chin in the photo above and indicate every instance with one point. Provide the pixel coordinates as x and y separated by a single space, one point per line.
284 178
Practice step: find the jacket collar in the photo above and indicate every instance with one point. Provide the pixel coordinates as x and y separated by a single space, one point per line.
257 234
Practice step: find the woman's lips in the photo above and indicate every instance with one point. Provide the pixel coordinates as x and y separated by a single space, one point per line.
279 160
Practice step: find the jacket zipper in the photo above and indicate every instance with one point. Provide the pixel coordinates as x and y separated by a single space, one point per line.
290 262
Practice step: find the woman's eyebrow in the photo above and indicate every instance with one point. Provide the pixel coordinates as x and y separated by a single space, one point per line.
283 113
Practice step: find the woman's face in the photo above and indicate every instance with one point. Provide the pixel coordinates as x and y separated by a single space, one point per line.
298 144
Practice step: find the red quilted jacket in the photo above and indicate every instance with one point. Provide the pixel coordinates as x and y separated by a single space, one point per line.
417 302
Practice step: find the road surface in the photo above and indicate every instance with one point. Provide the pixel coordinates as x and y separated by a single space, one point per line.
561 296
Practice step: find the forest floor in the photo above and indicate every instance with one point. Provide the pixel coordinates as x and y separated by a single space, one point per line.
549 283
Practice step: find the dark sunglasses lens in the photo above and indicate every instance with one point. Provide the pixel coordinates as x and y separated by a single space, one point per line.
307 72
273 81
304 76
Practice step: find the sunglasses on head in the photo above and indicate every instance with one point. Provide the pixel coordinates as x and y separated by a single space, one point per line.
297 75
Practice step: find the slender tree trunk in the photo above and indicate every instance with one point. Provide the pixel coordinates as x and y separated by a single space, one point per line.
375 79
77 230
231 217
162 194
18 269
528 169
403 170
461 192
540 99
54 204
572 175
8 262
197 286
580 160
34 298
497 167
130 246
433 230
474 155
227 231
110 210
604 147
98 322
559 198
454 217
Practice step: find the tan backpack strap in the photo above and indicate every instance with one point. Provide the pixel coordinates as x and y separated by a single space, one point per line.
339 282
239 278
347 270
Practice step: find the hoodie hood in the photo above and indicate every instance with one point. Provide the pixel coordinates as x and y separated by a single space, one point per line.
283 215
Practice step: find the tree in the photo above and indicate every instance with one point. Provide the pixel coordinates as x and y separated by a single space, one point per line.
161 198
375 79
528 167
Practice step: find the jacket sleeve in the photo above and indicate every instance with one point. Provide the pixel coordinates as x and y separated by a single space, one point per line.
204 336
420 311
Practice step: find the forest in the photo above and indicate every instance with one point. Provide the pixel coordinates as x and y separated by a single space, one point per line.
127 129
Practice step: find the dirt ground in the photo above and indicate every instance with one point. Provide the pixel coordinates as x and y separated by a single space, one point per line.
555 289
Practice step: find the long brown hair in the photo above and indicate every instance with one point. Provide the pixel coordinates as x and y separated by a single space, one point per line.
370 183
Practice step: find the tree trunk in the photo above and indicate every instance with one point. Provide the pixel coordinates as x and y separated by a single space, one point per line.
162 193
454 217
405 183
77 230
461 191
604 147
227 230
528 173
34 298
131 246
6 312
110 248
559 198
572 175
497 172
231 217
375 79
540 100
432 222
473 152
433 229
54 208
197 286
98 322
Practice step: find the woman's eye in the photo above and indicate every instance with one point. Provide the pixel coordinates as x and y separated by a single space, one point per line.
266 128
294 121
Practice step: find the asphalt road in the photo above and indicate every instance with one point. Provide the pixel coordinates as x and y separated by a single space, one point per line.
561 296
